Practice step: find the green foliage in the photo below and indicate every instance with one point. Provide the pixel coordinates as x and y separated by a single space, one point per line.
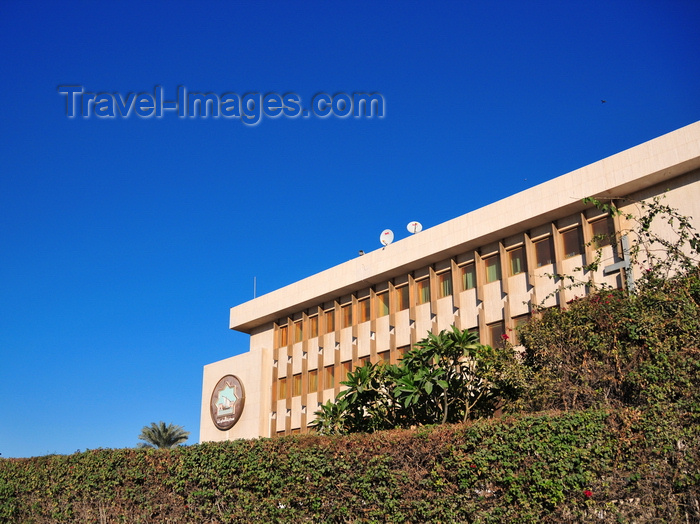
610 349
594 465
449 377
94 486
162 436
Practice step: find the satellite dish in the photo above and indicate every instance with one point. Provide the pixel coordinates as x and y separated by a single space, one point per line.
414 227
387 237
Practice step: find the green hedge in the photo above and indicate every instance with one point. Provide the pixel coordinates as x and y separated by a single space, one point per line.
612 350
625 465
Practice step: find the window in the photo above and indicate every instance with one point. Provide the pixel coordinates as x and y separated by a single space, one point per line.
571 240
384 356
602 231
517 322
469 276
516 261
493 268
282 336
364 308
423 291
282 389
296 385
330 320
544 254
521 320
496 332
402 298
298 331
345 368
313 326
346 312
402 350
444 284
363 360
329 377
313 381
382 304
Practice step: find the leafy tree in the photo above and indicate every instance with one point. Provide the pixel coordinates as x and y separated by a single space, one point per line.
366 405
161 436
449 377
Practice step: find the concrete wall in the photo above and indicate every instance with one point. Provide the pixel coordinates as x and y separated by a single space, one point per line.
253 370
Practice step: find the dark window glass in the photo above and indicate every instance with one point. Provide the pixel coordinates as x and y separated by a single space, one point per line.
402 298
544 252
571 240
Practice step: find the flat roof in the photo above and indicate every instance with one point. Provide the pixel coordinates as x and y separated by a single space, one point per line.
645 165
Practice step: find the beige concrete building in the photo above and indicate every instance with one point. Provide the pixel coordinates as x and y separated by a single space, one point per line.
482 271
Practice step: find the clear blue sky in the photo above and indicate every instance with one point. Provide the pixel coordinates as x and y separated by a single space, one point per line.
124 242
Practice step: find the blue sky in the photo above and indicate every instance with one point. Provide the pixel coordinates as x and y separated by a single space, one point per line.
125 241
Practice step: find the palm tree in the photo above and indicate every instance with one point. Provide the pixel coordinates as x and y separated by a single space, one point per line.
162 436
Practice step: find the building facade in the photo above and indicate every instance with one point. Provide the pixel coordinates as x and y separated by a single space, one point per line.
482 271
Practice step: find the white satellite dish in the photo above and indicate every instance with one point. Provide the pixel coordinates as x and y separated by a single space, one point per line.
387 237
414 227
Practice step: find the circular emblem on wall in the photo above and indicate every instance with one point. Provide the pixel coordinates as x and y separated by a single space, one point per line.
226 404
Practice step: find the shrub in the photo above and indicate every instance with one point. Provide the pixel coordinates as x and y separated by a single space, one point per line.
611 349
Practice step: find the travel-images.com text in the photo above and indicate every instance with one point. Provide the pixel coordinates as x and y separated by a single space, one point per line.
249 108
